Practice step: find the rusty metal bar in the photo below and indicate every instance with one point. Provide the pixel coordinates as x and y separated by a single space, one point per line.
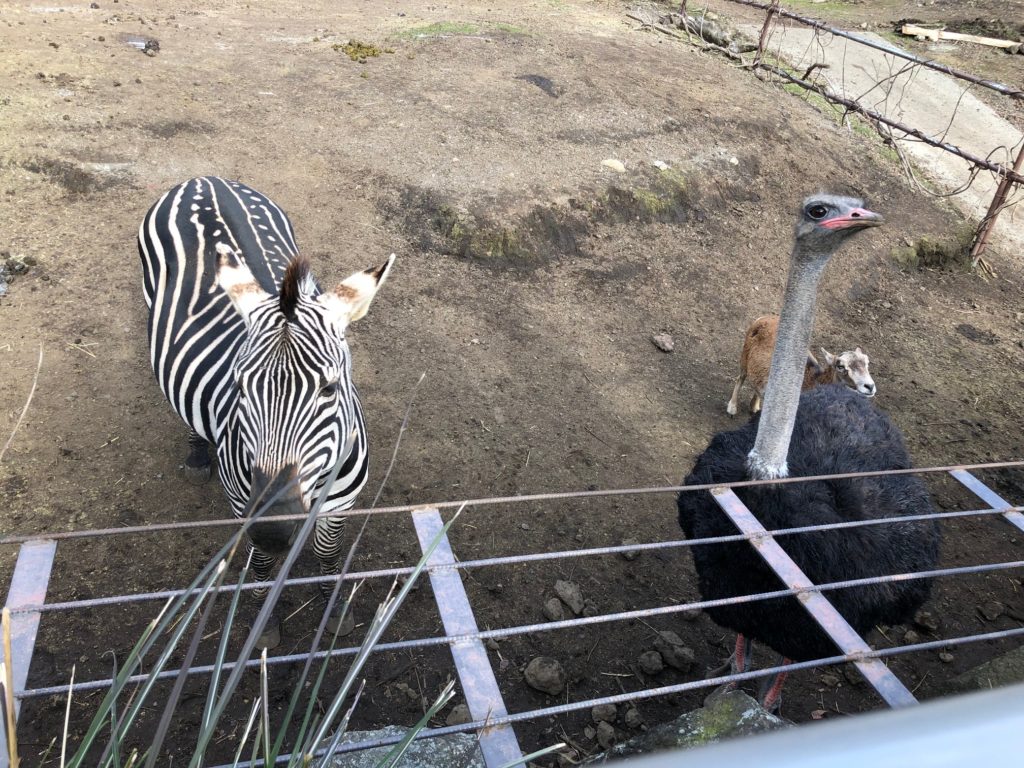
878 45
990 497
28 587
486 562
822 611
483 697
989 222
1004 171
533 497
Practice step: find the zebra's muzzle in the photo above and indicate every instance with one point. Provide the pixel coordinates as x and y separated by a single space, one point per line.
271 497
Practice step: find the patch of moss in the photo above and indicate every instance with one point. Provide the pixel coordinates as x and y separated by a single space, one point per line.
929 252
439 29
359 51
510 29
663 197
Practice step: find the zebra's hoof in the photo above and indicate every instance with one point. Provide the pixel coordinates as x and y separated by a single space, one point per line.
197 475
270 638
347 624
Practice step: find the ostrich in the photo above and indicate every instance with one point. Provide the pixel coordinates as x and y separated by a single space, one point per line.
827 430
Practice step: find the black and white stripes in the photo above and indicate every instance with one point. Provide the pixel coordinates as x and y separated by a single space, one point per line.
251 353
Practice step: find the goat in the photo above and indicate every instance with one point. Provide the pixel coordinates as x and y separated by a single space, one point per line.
850 367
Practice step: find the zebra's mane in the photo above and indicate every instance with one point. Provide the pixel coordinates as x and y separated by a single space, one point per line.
297 281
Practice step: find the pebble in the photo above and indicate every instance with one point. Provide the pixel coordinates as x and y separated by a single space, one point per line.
925 620
604 713
633 718
589 732
830 680
571 595
590 608
615 165
691 614
651 662
911 637
661 165
672 650
408 691
458 715
546 675
992 610
945 656
553 610
605 735
664 342
630 554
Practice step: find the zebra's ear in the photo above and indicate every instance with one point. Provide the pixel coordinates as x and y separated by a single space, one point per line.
351 298
238 282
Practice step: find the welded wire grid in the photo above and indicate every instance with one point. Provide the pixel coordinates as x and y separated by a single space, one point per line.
490 719
820 65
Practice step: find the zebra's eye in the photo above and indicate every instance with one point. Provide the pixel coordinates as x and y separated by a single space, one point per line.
329 390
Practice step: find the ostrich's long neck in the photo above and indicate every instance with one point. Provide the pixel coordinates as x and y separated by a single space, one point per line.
782 394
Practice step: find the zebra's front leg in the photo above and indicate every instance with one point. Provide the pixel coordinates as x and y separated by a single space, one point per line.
261 566
328 549
198 466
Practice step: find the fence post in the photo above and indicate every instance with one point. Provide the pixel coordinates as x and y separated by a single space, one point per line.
763 39
987 223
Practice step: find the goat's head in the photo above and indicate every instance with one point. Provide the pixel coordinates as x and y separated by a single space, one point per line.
852 369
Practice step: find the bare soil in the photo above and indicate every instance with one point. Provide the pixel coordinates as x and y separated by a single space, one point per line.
529 283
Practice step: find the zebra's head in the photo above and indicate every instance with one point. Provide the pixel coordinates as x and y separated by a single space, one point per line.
296 413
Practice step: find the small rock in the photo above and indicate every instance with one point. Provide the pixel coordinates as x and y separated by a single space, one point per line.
661 165
458 715
664 342
589 732
408 691
604 713
152 47
605 735
590 608
553 610
672 650
818 714
614 164
546 675
925 620
94 6
734 161
945 656
492 644
570 594
830 680
991 610
911 637
651 662
633 718
525 526
630 554
691 614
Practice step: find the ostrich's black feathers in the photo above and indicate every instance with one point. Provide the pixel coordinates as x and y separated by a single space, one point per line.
836 431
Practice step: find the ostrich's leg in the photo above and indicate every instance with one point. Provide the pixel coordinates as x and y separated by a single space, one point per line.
737 663
731 407
197 463
771 690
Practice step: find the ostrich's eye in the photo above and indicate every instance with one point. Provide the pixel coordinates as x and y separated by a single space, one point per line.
817 211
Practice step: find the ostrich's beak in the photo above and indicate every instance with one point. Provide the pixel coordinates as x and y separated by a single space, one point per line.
857 218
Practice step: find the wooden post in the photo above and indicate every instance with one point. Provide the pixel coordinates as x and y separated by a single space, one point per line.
763 39
981 238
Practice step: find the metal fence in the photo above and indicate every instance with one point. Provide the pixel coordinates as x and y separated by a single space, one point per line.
491 720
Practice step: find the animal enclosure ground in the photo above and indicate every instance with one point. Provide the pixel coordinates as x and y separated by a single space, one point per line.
530 280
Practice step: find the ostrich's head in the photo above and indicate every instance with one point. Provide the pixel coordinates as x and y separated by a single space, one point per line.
827 220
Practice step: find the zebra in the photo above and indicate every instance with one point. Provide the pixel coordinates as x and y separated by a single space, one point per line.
251 354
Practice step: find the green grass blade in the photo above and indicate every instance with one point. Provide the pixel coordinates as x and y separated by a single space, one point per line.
401 747
525 760
245 734
385 613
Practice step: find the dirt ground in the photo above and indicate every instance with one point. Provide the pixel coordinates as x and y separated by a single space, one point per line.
529 283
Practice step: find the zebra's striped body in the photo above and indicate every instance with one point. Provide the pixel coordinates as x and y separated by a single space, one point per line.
251 353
